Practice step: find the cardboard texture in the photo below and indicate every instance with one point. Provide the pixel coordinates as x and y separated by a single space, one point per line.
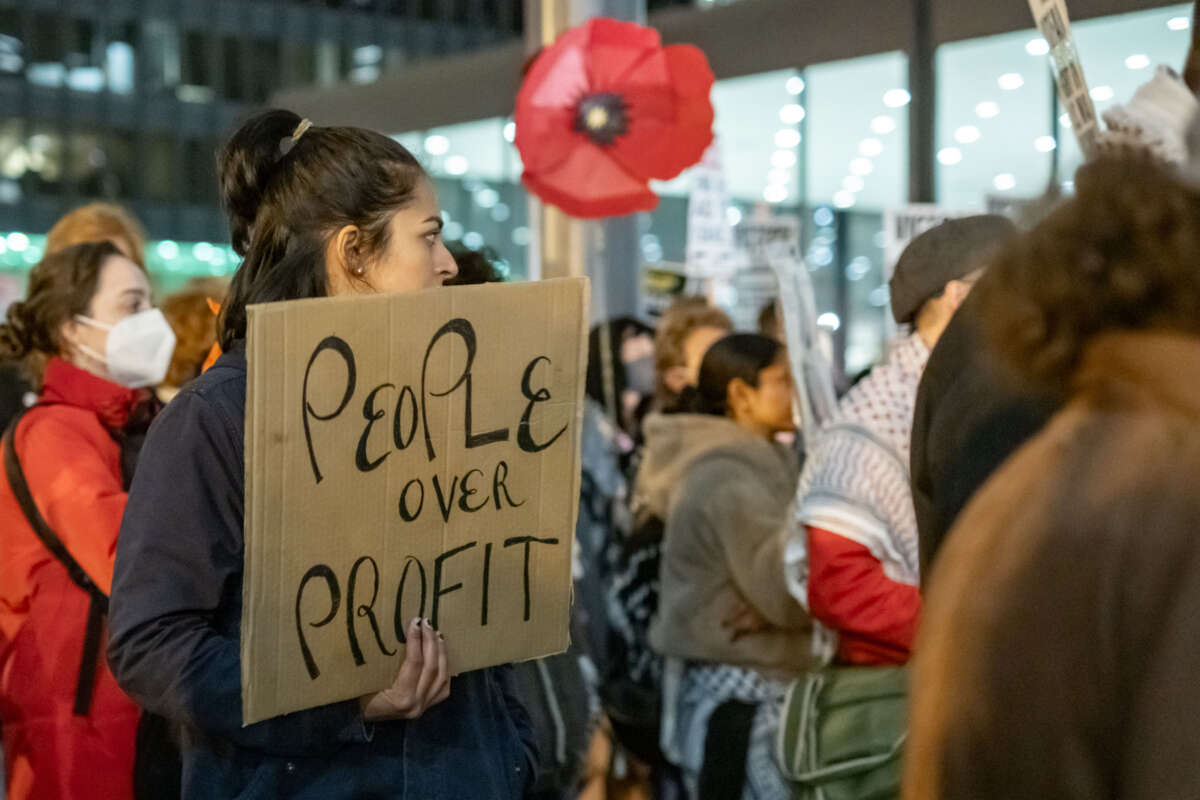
410 455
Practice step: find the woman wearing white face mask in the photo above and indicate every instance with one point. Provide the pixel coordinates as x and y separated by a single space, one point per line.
90 340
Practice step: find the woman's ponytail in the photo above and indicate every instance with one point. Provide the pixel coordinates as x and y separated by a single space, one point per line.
245 166
16 339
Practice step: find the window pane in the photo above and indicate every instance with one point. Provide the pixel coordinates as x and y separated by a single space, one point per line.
993 120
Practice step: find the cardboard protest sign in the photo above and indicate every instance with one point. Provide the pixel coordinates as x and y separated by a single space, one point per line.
1055 26
408 455
710 248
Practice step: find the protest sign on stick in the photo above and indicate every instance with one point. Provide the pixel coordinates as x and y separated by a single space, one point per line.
408 455
1054 24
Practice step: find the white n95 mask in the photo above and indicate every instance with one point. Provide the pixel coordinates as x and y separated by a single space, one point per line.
139 348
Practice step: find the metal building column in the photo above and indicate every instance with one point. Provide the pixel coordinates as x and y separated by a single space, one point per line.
607 251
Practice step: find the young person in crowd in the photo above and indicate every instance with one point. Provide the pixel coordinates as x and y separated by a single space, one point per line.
95 222
854 560
1058 656
191 314
92 345
684 334
315 212
726 489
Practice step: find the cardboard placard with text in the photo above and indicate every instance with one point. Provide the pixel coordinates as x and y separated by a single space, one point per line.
408 455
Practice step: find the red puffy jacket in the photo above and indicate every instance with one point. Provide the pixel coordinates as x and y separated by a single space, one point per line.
73 467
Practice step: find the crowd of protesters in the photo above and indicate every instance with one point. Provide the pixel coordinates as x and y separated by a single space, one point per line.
1005 501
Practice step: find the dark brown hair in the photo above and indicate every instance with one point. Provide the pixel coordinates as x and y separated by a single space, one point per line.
61 286
1124 253
285 196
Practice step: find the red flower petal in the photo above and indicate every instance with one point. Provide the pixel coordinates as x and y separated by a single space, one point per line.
546 136
590 185
614 48
669 130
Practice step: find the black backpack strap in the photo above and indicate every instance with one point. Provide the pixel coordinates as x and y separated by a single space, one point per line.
97 608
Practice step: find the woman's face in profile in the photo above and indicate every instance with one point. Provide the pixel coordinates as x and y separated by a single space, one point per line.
415 256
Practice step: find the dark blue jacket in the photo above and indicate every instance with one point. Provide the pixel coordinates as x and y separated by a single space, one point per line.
174 624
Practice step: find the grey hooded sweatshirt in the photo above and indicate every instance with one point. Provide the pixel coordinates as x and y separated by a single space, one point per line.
726 496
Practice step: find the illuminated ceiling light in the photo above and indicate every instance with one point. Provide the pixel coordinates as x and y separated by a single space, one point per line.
167 249
1010 81
453 231
775 194
823 217
853 183
870 147
896 98
473 240
501 212
1037 47
1137 61
792 114
795 84
987 110
1102 94
457 165
844 199
522 236
883 125
1044 144
510 131
780 176
1064 119
861 166
437 145
829 321
733 216
487 198
949 156
1179 23
967 134
202 251
783 159
17 242
787 138
1004 181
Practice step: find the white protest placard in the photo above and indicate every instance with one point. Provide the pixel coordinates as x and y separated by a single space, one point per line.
408 455
710 247
1054 24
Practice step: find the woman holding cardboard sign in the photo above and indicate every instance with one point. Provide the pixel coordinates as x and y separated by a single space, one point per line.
315 212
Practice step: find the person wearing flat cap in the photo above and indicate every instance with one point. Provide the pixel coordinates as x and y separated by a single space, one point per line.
852 559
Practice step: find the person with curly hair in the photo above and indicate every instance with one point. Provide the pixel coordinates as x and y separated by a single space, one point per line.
1058 652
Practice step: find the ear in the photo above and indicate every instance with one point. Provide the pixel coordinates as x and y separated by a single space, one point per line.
738 396
347 252
676 379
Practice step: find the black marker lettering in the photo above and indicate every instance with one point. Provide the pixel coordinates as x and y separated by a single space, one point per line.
398 618
404 441
499 486
367 610
466 492
487 574
445 503
406 512
464 329
524 435
438 591
371 415
527 540
335 599
339 346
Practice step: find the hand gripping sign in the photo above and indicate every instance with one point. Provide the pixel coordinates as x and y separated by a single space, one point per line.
411 455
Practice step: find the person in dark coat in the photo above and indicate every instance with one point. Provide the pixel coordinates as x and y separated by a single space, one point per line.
1058 655
315 212
973 411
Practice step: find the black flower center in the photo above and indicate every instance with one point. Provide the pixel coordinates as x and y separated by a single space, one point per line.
602 117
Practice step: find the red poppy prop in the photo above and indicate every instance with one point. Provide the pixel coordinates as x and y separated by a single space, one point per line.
605 110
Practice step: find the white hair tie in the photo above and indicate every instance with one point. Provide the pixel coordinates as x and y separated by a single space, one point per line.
301 129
